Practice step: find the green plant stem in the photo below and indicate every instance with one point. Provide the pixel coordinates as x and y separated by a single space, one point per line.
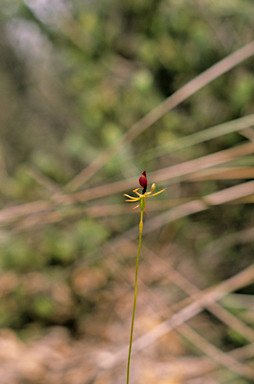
136 286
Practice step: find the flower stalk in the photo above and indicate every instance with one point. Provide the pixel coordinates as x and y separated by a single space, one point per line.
136 287
142 204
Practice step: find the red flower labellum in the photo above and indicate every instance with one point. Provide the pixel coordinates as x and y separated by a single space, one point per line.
143 181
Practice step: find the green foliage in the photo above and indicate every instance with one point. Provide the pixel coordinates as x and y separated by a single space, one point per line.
43 307
17 255
90 234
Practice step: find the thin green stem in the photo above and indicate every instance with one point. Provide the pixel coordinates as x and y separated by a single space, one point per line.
136 286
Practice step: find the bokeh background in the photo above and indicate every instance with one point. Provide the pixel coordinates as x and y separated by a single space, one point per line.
92 93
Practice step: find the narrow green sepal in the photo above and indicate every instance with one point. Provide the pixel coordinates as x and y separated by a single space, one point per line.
142 203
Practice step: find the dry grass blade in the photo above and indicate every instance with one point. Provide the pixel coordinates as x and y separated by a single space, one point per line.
241 125
13 213
204 162
215 308
222 173
248 133
199 302
217 198
191 170
209 349
186 331
228 195
182 94
243 353
205 298
174 172
43 180
232 321
244 236
216 354
220 358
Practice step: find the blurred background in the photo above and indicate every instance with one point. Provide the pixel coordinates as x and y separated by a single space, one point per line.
85 108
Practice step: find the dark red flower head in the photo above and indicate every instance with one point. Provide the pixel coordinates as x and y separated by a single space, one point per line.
143 181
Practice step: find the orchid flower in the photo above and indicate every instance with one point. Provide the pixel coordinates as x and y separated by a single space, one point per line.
142 197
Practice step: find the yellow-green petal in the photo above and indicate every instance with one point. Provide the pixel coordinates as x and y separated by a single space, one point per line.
157 193
131 197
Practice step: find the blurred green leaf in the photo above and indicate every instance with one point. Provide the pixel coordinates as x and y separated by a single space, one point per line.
43 306
91 234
